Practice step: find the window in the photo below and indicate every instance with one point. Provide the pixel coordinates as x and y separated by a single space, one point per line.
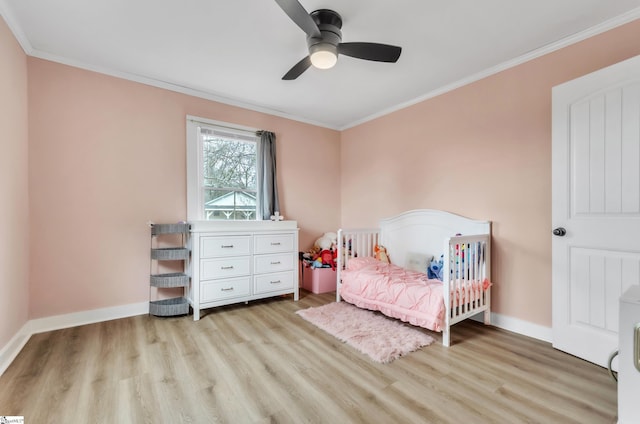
221 171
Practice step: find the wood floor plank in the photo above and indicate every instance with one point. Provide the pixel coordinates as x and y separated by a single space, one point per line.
262 363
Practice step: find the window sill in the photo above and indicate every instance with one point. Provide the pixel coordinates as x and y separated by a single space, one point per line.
205 226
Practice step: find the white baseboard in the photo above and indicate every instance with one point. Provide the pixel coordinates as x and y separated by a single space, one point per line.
57 322
515 325
11 349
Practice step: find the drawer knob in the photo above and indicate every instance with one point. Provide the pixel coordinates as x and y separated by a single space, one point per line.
227 289
276 263
277 243
226 267
276 282
227 246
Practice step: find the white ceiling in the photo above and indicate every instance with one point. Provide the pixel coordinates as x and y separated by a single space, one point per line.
236 51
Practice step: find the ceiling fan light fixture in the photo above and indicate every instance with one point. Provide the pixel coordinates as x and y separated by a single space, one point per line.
323 55
324 40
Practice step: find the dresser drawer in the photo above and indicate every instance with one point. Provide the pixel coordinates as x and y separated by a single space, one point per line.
211 291
273 282
274 243
224 267
273 263
225 246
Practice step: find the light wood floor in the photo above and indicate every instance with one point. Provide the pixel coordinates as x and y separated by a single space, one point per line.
261 363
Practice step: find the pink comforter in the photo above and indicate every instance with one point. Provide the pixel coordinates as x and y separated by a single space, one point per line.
396 292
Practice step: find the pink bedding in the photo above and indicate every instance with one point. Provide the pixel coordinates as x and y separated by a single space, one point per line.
396 292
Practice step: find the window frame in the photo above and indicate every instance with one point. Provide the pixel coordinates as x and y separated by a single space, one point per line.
195 164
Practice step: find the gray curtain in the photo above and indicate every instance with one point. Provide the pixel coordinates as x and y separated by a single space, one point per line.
267 184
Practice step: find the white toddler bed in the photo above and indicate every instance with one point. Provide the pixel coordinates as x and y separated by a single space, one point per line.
411 239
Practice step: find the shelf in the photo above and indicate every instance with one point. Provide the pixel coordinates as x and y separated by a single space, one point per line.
169 307
162 277
179 228
174 279
170 253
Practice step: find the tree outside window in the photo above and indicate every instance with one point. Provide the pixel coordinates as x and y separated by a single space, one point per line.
229 175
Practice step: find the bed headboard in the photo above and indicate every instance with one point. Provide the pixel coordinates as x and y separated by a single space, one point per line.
425 231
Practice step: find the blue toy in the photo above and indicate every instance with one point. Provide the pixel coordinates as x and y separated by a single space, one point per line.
435 268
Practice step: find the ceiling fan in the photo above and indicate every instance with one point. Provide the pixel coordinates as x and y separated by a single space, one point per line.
324 39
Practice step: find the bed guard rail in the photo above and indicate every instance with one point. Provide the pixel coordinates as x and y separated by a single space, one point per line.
352 244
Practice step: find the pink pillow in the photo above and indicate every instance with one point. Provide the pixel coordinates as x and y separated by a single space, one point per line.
356 264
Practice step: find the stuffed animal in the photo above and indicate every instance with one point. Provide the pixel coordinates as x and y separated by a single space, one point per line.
381 253
325 257
333 237
326 241
324 251
323 243
435 268
312 253
317 263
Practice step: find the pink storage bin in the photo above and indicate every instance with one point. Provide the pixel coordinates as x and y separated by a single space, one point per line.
318 280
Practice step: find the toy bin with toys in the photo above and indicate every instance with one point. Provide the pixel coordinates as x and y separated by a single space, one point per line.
319 280
319 265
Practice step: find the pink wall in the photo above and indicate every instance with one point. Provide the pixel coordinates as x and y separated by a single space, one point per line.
14 200
107 155
482 151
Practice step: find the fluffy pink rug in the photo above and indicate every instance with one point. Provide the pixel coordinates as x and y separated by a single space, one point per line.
383 339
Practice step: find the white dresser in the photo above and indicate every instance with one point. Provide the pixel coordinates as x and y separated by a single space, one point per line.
239 261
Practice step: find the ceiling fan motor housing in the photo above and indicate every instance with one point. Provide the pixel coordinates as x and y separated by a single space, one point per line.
329 23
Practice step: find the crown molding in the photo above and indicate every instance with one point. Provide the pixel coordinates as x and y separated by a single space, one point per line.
7 14
175 88
534 54
16 29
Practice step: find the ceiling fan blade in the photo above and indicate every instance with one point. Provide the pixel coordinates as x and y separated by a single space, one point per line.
300 17
370 51
297 69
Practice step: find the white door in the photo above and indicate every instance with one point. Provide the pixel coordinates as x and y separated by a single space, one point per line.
596 207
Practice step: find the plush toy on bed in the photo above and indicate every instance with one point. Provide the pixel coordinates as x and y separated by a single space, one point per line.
381 253
435 269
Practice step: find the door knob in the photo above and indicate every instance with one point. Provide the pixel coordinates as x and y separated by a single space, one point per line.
560 232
